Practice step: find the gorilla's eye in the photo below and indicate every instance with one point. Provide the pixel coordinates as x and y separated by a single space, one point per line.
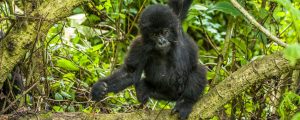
165 31
154 34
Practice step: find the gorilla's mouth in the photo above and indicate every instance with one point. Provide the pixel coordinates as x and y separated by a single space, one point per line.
163 48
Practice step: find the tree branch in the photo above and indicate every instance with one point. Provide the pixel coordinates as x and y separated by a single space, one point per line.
261 69
138 115
267 67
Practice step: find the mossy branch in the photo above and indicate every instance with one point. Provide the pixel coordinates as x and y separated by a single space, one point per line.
261 69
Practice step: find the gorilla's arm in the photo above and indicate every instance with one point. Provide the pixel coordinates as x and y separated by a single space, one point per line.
127 75
180 7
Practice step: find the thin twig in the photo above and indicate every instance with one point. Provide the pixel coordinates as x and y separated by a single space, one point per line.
256 24
19 97
285 29
137 16
224 55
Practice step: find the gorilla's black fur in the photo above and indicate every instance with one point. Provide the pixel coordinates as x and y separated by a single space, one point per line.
166 55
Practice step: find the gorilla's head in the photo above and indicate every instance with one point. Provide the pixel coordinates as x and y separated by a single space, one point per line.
158 25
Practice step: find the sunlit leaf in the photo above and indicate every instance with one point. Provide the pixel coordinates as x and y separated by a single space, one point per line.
87 110
58 109
107 5
100 7
66 64
97 47
69 76
287 4
292 53
290 102
296 116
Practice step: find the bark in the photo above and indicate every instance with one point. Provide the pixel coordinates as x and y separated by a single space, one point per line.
139 115
23 34
265 68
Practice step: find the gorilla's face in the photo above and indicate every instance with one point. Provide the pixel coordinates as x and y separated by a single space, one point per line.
161 38
158 25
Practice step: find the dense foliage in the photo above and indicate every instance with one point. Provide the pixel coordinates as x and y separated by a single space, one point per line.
93 42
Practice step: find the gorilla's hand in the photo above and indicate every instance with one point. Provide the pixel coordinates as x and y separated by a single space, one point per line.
99 90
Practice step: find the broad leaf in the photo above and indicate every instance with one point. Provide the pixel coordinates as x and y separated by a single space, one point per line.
226 7
66 64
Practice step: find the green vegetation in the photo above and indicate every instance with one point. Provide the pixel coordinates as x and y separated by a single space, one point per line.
91 43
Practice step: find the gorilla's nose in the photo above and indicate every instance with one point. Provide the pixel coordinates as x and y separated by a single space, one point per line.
162 41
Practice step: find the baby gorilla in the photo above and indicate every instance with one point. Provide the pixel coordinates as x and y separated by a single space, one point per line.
168 58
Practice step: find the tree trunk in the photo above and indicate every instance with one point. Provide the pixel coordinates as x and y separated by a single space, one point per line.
23 34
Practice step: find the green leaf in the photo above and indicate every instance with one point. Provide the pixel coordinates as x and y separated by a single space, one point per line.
89 32
263 13
28 100
100 7
77 10
240 44
107 5
123 16
87 110
289 103
127 94
66 95
292 53
296 116
58 109
97 47
91 20
58 96
71 108
210 75
55 86
66 64
199 7
262 37
295 13
69 76
83 60
225 7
